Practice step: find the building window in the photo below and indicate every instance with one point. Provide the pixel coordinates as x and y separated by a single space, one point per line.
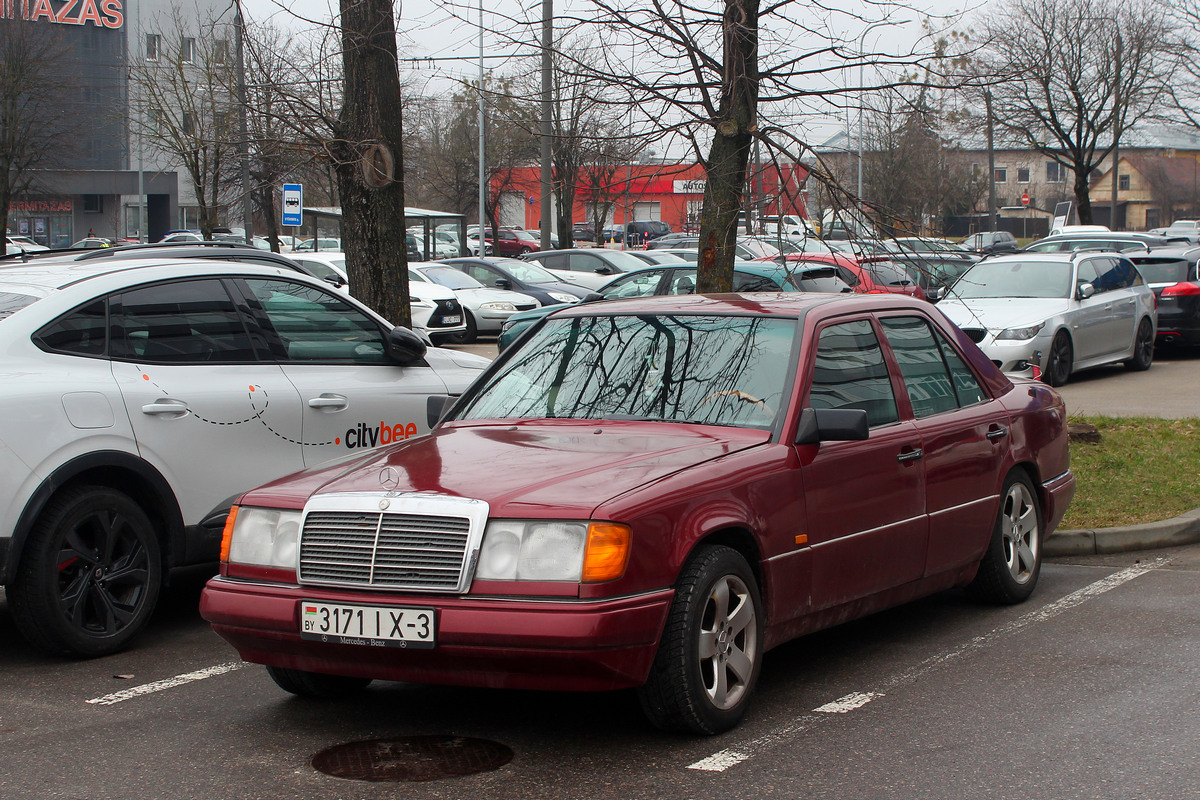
1023 175
153 46
187 50
186 124
1123 183
1055 172
220 51
1001 175
93 204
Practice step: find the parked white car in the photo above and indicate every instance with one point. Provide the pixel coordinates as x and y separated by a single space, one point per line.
145 394
485 310
1048 315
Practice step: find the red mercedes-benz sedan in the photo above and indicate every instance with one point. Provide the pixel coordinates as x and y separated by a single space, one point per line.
654 493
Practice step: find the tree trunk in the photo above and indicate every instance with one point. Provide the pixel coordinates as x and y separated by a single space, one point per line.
370 165
730 152
1083 197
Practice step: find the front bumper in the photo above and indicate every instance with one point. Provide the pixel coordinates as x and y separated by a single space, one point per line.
517 643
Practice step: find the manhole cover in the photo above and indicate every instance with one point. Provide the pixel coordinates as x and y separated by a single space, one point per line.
414 758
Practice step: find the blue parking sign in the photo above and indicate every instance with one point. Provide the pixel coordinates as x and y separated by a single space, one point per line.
293 204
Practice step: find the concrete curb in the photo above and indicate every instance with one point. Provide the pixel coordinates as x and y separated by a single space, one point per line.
1184 529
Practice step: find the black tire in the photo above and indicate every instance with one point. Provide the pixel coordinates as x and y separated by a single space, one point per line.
1009 570
471 333
1060 360
315 684
708 660
90 574
1143 348
525 251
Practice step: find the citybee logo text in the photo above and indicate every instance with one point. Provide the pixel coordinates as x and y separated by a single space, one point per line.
363 436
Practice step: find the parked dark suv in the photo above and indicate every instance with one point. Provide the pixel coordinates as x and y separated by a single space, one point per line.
990 242
643 231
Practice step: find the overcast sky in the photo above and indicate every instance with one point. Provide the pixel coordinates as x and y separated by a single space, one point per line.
447 33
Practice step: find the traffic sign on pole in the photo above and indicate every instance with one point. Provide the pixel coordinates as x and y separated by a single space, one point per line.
1025 199
293 205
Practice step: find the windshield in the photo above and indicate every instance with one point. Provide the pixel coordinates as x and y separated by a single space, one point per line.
625 261
1015 279
451 278
716 370
526 271
1163 271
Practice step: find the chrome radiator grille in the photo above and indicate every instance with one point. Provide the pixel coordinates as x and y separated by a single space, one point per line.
378 550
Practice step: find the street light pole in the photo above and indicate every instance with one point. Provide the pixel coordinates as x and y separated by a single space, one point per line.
547 126
239 28
482 169
861 44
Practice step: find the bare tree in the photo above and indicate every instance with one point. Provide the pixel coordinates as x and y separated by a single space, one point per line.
1070 78
33 119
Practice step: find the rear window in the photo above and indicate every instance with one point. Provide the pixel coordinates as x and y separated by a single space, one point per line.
1163 270
10 303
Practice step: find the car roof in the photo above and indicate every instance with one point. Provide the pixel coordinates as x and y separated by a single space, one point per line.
783 304
52 275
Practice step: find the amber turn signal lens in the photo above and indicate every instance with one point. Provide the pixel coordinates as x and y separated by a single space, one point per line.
607 552
227 534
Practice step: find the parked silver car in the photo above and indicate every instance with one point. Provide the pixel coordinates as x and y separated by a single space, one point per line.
1051 314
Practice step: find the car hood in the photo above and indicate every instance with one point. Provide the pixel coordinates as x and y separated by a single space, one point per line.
477 297
999 313
522 470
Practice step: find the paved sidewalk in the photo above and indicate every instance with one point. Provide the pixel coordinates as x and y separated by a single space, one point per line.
1184 529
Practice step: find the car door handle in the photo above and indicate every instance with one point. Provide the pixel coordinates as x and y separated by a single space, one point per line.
334 402
911 455
996 433
166 406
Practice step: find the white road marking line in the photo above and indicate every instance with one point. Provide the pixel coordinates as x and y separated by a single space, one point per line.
730 757
844 705
169 683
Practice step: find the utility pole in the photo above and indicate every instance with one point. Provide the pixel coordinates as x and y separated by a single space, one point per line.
547 121
482 162
991 212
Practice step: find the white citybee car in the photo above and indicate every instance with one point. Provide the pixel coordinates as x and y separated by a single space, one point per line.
142 395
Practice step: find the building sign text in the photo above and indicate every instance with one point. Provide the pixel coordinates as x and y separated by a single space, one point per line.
101 13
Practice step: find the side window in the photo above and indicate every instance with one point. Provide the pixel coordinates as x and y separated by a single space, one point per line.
1114 273
926 376
849 372
848 276
315 325
80 332
745 282
583 262
183 322
555 261
641 284
1087 274
683 281
966 385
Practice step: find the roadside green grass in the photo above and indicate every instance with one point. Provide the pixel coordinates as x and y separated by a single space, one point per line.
1143 470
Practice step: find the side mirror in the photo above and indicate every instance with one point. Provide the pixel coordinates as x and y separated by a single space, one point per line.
935 293
335 280
592 297
404 346
1085 291
503 283
436 407
832 425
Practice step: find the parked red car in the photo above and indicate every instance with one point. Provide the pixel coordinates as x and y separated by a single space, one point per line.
513 243
653 493
867 274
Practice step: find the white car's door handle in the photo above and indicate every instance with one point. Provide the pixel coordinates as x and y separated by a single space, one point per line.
333 402
166 406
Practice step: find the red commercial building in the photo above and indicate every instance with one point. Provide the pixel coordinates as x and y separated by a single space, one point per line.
671 193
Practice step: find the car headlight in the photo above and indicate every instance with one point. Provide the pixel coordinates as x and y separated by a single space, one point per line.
563 297
499 307
553 550
418 303
265 537
1020 334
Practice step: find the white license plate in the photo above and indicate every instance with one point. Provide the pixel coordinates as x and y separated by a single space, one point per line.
376 626
454 320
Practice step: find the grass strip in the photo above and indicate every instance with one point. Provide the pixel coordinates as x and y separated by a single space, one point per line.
1143 470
